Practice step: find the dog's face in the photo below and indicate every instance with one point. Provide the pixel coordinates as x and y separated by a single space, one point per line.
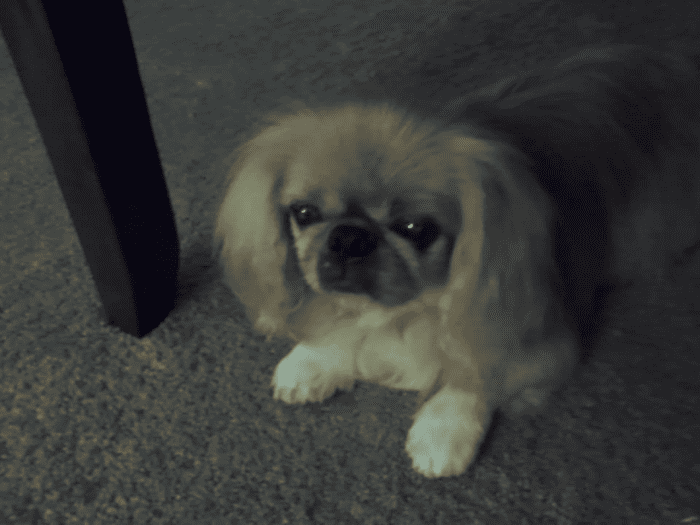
356 203
363 234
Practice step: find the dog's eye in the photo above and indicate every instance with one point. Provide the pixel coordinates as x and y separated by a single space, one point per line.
305 214
422 232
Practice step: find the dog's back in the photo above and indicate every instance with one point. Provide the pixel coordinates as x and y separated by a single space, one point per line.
613 135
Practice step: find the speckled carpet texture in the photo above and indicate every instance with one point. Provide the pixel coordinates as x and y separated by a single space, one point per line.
180 428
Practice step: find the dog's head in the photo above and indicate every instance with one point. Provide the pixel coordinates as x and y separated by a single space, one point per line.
359 205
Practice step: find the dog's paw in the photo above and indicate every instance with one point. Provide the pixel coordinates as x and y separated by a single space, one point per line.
446 433
309 374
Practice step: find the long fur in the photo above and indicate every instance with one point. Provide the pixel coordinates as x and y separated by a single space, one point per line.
548 187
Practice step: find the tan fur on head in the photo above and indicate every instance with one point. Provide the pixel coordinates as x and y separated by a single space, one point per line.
281 164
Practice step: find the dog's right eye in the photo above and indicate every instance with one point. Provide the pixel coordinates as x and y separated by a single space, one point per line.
305 214
422 232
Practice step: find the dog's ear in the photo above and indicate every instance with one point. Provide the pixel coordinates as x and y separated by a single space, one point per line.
250 234
498 286
471 155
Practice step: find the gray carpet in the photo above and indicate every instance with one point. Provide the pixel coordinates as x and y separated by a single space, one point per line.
98 427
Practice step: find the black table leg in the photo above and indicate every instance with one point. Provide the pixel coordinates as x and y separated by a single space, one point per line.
78 68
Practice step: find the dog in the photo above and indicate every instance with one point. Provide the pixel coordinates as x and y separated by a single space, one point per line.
462 254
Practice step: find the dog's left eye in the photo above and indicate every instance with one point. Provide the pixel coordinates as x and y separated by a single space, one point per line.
422 232
305 214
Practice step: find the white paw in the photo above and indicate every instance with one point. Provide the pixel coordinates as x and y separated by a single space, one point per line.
310 374
446 433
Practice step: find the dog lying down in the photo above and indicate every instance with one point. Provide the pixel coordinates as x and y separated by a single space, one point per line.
461 255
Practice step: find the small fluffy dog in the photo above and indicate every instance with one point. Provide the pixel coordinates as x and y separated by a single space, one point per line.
462 254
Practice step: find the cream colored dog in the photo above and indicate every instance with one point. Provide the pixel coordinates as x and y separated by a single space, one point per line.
462 255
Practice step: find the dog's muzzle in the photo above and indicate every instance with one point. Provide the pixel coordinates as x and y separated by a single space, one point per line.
358 259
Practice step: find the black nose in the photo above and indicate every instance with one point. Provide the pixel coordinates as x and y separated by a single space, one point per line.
348 242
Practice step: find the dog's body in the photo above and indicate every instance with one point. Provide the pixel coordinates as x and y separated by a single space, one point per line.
466 251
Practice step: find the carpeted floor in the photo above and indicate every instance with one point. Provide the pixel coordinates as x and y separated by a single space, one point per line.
180 427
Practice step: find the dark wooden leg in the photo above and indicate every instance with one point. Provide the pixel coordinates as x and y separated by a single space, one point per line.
78 68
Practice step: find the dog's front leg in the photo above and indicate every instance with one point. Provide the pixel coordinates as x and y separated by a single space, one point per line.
447 432
313 373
